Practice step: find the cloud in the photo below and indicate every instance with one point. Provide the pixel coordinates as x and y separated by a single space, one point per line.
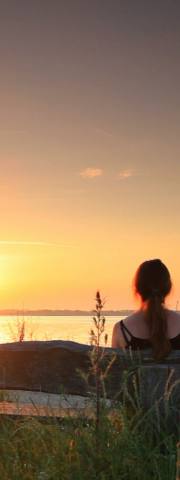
104 133
124 174
21 243
12 131
91 173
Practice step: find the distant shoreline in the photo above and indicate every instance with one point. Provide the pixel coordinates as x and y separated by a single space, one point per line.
48 313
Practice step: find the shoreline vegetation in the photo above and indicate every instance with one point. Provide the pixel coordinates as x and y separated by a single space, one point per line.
47 312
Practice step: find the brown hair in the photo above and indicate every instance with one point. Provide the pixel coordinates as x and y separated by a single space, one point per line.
153 284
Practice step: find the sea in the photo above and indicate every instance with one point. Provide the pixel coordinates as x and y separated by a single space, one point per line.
74 328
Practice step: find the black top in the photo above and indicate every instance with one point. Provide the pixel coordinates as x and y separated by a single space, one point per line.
137 343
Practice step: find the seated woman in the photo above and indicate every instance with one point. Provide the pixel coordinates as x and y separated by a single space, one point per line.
153 325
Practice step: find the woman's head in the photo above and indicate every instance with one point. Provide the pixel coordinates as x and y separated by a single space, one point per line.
153 284
152 279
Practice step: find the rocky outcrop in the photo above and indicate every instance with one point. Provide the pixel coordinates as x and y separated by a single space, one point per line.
66 367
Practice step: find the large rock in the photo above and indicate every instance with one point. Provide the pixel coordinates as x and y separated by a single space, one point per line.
63 366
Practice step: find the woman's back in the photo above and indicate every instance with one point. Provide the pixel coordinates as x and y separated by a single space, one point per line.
133 331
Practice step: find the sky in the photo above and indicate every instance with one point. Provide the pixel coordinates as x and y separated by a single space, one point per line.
89 149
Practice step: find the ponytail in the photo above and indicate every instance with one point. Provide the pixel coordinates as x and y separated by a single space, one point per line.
155 317
153 283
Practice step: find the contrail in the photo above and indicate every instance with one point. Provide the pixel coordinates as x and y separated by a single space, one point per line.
32 244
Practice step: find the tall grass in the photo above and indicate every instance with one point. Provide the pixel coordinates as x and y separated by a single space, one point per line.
129 448
21 329
97 355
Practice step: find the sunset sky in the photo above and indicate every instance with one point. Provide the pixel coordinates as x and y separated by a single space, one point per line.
89 149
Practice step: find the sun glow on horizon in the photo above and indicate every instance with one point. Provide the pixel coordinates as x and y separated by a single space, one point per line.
5 267
38 278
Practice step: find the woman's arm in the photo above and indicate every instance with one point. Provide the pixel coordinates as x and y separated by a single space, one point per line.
117 338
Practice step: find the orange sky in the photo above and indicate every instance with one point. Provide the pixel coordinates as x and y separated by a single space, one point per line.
89 151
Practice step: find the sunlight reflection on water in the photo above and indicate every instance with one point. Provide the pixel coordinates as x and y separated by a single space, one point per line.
75 328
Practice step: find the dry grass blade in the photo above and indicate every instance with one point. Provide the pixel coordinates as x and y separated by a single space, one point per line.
178 462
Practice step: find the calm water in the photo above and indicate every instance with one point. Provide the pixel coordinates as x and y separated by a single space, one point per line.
52 328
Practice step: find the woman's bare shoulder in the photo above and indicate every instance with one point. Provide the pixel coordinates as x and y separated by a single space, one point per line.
173 318
173 315
136 325
117 338
133 317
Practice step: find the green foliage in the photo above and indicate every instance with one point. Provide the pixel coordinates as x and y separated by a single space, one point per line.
67 450
4 396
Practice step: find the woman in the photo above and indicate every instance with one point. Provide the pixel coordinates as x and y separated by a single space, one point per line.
153 325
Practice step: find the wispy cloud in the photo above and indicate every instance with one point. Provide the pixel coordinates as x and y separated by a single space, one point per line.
21 243
12 131
103 132
124 174
72 191
91 173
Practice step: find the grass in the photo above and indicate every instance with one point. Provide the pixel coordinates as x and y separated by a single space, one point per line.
21 331
131 446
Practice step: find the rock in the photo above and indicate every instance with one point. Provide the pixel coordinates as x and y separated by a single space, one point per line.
63 367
